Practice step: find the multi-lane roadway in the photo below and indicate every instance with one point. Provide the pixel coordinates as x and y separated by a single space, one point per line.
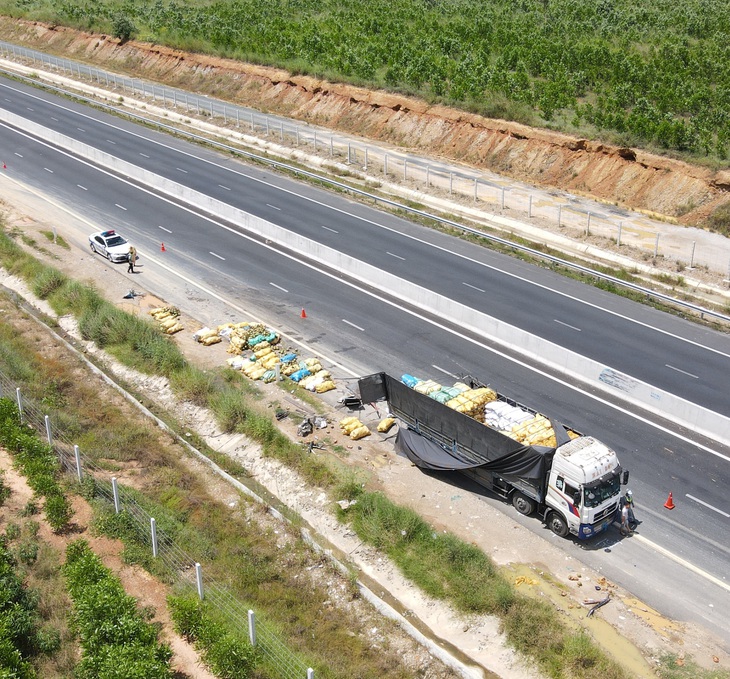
366 330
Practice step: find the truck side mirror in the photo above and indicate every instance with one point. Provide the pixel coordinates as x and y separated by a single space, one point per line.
576 499
625 478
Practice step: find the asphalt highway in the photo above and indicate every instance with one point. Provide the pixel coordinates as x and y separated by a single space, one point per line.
364 331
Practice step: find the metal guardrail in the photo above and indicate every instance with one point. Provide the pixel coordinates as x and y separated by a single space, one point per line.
220 109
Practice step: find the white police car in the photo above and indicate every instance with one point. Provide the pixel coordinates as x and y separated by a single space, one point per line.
110 244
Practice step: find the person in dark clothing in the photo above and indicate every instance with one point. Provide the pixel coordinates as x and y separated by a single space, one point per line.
132 257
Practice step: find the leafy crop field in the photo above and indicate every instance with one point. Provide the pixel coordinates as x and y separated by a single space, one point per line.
643 72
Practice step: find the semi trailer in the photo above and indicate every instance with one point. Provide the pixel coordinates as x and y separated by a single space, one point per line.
543 467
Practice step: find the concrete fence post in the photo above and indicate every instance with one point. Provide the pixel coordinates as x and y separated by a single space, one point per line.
77 456
618 239
588 225
281 132
47 421
115 493
405 169
349 153
310 673
252 627
366 159
502 199
476 190
529 207
451 183
253 126
153 534
199 580
385 165
560 210
692 256
656 246
20 403
315 141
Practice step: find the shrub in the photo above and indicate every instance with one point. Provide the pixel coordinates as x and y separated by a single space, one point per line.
48 282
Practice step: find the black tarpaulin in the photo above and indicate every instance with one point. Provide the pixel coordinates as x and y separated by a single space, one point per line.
527 463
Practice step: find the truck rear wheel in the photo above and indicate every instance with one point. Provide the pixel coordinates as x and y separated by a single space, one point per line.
523 504
557 524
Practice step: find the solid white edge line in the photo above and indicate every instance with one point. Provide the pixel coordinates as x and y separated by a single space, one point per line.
683 562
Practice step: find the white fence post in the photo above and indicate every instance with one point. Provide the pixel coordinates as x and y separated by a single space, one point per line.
529 207
115 492
77 455
310 673
153 533
47 421
588 225
428 176
199 580
560 210
20 403
692 256
405 169
252 627
476 184
451 183
656 246
385 165
618 239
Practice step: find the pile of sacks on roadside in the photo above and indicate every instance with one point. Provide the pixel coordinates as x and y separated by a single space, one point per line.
352 427
485 405
259 355
168 318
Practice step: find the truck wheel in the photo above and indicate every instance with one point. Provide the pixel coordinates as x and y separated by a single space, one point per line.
557 524
523 504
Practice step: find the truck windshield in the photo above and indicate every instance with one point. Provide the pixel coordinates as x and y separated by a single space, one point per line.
596 494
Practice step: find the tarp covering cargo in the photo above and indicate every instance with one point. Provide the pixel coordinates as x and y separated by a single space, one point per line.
442 438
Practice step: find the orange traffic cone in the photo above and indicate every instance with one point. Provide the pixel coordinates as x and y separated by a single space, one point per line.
304 313
162 247
669 504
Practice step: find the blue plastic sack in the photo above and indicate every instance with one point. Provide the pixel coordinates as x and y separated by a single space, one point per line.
289 358
409 380
300 374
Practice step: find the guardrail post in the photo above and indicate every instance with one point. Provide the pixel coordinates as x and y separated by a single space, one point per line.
20 403
618 239
77 455
47 421
252 627
115 493
199 580
153 534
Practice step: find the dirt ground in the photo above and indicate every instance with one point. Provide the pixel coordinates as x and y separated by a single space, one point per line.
644 636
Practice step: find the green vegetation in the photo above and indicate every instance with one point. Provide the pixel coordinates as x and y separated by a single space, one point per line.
116 638
38 463
642 72
225 654
22 637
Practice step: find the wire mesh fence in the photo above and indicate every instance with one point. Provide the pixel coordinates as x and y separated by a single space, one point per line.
180 567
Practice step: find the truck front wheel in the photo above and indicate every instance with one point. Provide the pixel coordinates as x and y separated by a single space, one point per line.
557 524
523 504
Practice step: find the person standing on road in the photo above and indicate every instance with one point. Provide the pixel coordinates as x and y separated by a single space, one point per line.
629 500
132 257
625 527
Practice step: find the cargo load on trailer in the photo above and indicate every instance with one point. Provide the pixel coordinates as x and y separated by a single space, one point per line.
572 481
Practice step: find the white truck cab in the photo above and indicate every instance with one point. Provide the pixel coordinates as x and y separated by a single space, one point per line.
584 488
